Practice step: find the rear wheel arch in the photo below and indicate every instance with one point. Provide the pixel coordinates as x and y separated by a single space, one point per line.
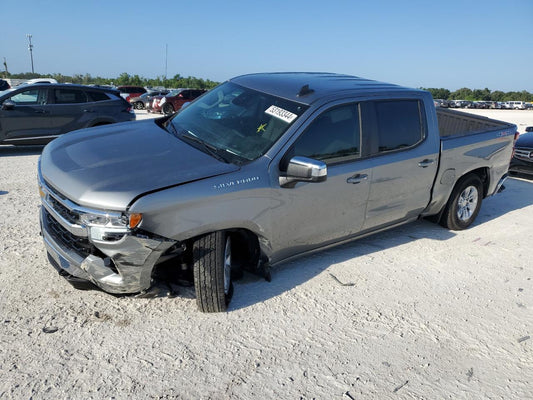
465 200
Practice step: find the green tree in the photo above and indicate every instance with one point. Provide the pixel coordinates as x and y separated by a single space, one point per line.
462 94
440 93
497 95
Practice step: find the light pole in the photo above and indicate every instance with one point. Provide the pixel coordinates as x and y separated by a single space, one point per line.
166 59
30 48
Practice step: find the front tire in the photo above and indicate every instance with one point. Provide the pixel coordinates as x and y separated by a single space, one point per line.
167 109
464 203
212 272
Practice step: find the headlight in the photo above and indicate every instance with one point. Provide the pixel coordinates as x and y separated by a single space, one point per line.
111 220
109 226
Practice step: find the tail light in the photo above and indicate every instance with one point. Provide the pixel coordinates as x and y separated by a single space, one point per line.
130 110
514 141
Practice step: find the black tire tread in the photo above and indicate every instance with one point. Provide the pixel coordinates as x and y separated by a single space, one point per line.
168 109
208 253
449 220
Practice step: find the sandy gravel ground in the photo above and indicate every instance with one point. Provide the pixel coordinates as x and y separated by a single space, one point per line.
417 312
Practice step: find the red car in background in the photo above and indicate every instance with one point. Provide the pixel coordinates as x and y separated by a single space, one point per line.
129 92
173 101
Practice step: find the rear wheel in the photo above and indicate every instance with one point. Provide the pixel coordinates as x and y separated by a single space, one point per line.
212 271
167 109
464 203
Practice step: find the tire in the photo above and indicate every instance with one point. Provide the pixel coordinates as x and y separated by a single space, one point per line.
139 105
167 109
212 272
464 203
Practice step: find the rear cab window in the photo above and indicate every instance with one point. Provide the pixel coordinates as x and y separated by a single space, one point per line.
392 125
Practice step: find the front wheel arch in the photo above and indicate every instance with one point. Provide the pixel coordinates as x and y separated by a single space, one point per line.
213 280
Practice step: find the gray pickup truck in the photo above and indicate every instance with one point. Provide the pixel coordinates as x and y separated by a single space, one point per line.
260 169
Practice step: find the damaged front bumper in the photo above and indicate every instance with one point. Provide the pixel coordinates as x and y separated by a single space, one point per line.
116 260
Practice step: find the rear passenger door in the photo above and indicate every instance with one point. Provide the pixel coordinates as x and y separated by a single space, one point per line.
69 110
404 159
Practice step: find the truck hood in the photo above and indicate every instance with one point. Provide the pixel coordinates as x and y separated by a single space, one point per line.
109 166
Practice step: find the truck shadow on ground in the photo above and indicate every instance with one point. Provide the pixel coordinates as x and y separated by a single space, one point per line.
16 151
285 277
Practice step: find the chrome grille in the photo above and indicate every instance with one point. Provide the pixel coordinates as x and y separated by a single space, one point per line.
524 154
80 245
66 213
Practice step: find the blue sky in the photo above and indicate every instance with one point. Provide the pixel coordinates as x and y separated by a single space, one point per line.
418 43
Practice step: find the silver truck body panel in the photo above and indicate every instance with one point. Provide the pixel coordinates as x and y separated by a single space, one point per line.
183 192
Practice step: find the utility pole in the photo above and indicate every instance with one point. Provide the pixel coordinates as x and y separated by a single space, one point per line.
5 65
30 48
166 60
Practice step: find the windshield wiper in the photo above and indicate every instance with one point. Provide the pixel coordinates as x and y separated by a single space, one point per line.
207 147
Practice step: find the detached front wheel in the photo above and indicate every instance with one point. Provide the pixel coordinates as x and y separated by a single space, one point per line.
212 272
464 203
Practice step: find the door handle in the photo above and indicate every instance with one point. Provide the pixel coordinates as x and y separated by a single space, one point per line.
41 112
358 178
88 111
425 163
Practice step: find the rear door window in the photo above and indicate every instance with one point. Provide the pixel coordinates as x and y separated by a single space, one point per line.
69 96
391 125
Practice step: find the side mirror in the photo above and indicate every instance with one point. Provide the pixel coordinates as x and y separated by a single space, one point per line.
303 169
8 105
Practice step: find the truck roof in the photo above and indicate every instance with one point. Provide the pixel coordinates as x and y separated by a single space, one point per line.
306 87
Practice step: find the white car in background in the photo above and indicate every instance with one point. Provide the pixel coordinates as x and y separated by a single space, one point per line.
517 105
39 80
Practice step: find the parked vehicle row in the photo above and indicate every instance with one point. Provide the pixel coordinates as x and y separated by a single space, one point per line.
129 92
143 101
507 105
173 101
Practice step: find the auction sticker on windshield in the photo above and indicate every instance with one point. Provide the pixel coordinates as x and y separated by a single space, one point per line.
280 113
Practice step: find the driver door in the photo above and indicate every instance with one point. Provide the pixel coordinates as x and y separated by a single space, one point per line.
310 215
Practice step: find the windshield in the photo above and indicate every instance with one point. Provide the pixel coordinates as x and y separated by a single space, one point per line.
241 121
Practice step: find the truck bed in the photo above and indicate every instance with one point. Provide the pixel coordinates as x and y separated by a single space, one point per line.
456 123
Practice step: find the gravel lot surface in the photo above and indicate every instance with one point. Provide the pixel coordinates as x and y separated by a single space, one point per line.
415 312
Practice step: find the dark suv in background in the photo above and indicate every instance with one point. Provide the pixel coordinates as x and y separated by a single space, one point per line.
36 114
